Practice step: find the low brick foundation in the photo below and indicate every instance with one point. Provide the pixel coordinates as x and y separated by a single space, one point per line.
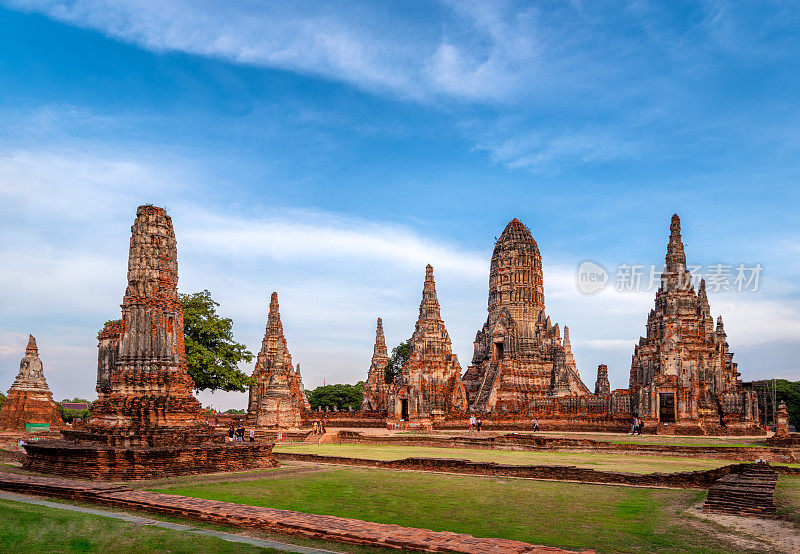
748 493
683 480
104 463
532 442
333 528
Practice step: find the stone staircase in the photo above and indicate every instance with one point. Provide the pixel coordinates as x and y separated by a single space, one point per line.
749 493
482 399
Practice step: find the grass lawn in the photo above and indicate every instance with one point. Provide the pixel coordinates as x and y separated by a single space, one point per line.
609 462
29 528
787 497
568 515
624 438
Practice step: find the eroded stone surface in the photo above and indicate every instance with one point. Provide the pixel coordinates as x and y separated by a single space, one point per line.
682 371
519 354
375 387
146 419
29 399
144 390
430 383
277 400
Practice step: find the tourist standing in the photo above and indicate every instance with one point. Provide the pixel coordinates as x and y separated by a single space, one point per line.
471 423
535 425
231 432
252 435
478 424
324 424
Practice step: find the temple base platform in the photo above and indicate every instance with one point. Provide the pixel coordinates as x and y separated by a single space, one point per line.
86 460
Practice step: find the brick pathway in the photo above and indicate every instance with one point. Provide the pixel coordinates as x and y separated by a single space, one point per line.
282 521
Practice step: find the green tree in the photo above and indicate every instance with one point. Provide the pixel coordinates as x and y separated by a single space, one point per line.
400 354
212 355
2 399
69 415
789 392
234 411
340 396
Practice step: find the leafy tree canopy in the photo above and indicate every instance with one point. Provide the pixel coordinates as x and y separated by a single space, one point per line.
234 411
341 396
789 392
69 415
400 354
2 399
212 356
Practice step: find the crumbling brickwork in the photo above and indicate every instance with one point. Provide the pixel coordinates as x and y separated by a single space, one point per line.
430 383
602 386
144 391
277 399
682 372
519 354
376 388
29 399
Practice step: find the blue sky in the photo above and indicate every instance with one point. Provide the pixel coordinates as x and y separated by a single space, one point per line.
330 150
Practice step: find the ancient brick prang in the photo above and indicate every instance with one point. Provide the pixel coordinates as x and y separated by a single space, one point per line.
143 386
519 355
375 388
29 399
277 398
602 386
430 383
682 371
146 420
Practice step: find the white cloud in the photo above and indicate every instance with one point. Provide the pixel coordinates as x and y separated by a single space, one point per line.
64 240
476 51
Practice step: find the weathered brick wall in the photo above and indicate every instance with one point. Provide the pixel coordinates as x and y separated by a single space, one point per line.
111 464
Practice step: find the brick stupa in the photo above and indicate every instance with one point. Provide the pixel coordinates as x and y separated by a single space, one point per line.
682 376
29 400
519 355
146 422
277 399
429 386
376 388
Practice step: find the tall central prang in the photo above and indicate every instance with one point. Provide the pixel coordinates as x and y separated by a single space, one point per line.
519 355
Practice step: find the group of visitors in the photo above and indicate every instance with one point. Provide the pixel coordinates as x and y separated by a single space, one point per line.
636 426
475 424
237 435
318 426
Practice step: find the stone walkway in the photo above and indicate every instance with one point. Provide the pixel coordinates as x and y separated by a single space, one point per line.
281 521
164 525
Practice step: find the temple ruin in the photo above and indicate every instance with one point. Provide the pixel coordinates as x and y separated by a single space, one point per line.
602 385
429 386
682 372
375 388
145 422
277 398
519 354
29 404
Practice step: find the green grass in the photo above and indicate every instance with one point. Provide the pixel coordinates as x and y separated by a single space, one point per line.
787 497
568 515
600 461
29 528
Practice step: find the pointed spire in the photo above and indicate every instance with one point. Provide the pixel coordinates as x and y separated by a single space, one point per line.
720 328
567 345
429 306
379 351
31 349
676 257
702 297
